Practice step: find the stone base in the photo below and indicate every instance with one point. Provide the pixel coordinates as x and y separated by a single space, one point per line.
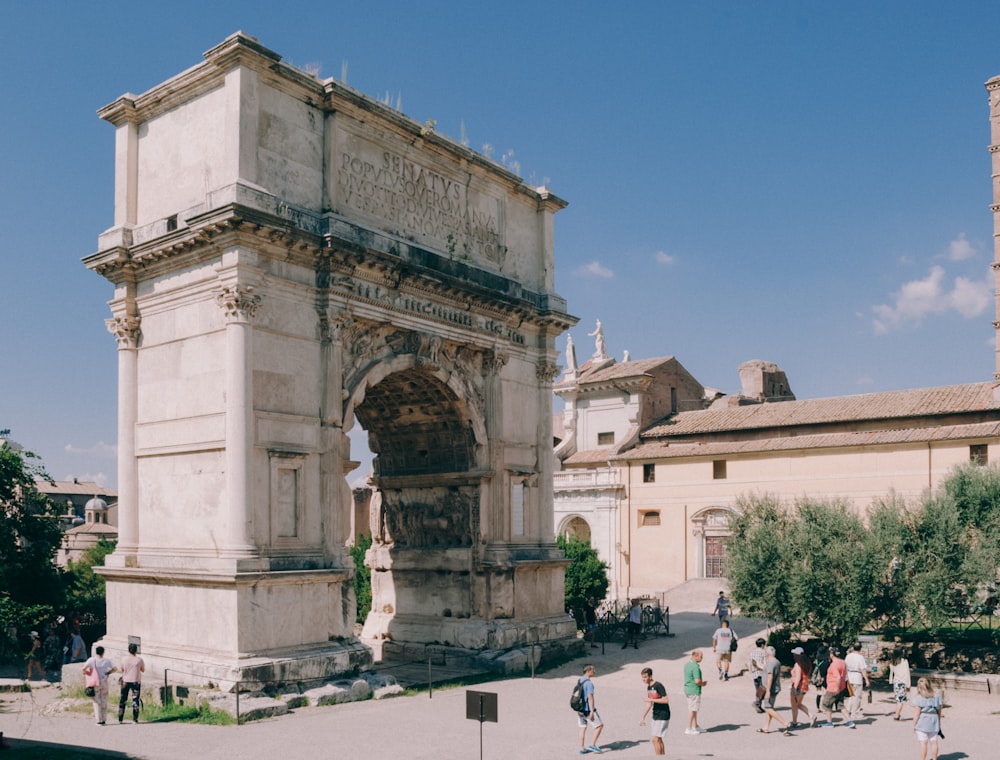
395 631
307 666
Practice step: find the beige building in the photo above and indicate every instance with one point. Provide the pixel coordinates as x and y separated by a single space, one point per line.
652 464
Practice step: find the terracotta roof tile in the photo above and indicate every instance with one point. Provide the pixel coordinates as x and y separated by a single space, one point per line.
948 399
661 449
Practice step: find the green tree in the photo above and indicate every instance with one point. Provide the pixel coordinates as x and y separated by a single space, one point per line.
586 575
30 534
757 558
85 588
807 567
362 577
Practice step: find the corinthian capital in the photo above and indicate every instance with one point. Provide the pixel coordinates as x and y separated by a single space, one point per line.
239 303
546 372
125 329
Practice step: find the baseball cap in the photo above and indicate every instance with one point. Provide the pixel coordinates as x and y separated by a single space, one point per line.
798 650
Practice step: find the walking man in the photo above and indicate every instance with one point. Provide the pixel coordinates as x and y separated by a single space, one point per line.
634 626
693 684
591 717
757 659
836 685
722 641
590 622
659 703
721 607
772 686
132 670
857 681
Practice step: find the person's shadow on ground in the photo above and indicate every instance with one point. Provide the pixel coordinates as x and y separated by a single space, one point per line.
719 728
619 745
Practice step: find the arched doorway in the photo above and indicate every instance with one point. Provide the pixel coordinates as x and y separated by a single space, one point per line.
576 527
711 531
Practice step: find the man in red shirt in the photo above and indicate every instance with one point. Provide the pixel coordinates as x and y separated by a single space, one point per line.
836 689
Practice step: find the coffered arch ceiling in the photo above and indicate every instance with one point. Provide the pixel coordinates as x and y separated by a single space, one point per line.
416 426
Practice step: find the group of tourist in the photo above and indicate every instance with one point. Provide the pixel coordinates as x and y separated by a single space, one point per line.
63 644
842 685
96 672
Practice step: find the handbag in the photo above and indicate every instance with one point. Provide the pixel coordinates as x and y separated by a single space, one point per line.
733 643
761 691
91 681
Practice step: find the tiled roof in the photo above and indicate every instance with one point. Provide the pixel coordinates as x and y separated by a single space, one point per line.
660 449
923 402
73 488
618 370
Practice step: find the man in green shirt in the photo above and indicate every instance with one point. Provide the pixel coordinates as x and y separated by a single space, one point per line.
693 683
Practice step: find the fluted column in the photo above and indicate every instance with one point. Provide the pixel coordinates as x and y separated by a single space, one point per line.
239 304
499 527
993 88
126 331
546 373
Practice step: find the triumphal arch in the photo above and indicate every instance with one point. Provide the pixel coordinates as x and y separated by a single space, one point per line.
289 256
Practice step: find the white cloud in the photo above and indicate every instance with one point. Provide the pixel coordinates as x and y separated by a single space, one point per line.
919 298
595 269
960 249
99 449
662 257
865 380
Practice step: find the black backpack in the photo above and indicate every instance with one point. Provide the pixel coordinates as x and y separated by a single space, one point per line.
576 698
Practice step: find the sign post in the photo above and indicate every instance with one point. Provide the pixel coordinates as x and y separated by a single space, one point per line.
481 706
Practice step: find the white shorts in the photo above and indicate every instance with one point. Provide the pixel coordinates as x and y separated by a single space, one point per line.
584 720
923 736
694 702
659 728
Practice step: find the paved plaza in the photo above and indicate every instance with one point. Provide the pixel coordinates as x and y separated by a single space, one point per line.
535 720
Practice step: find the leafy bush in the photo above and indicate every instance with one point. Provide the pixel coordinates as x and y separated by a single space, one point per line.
586 575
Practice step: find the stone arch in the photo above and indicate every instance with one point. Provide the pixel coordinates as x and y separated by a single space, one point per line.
710 528
576 525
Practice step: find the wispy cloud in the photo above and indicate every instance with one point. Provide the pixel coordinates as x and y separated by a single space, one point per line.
932 295
662 257
961 249
99 449
595 269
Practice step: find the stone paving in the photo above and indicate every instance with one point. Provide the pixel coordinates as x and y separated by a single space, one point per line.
534 719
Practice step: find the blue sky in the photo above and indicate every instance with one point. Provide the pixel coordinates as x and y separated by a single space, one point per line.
806 183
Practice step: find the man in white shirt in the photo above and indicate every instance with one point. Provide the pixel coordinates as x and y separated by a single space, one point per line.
857 680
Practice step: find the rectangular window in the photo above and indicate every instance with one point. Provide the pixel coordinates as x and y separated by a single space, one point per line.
649 473
978 454
719 469
649 519
605 439
673 401
517 508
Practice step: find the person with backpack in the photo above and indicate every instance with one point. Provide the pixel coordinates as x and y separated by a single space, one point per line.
659 703
583 702
722 644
